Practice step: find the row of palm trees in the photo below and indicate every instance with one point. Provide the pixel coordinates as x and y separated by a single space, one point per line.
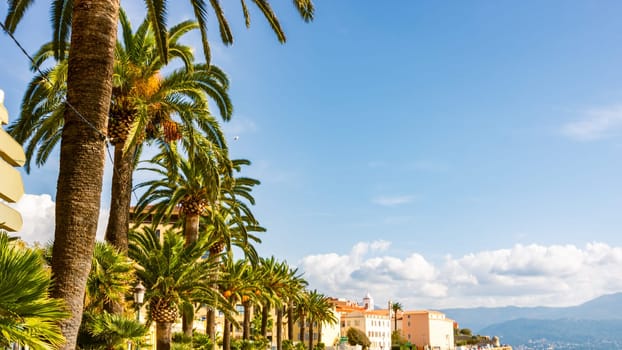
194 178
92 84
175 274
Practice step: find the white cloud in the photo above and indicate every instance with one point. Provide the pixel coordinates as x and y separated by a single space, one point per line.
38 216
597 124
524 275
389 201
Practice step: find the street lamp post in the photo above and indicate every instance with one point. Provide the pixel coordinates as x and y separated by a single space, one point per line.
139 298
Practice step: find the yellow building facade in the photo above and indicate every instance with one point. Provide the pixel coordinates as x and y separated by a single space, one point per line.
428 329
11 185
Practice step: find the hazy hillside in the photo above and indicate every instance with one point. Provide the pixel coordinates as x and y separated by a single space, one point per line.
560 334
603 308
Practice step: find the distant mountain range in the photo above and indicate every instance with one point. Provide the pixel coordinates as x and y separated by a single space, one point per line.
561 333
606 307
596 324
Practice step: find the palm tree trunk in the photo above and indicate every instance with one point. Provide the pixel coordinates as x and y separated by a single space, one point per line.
319 332
226 335
279 327
82 152
246 332
290 320
187 319
191 234
210 324
163 335
120 198
191 228
310 334
302 327
265 311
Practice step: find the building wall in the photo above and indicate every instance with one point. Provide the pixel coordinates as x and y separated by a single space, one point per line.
378 330
376 326
429 329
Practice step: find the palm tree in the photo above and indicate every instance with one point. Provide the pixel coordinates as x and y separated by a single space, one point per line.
203 192
396 307
319 310
63 10
238 286
295 298
173 273
190 184
109 331
108 281
289 292
144 103
276 276
29 315
143 106
89 88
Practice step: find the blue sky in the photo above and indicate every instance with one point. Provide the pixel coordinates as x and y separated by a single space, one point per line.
439 154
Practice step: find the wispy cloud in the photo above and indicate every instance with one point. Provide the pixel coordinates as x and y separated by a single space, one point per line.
596 124
523 275
389 201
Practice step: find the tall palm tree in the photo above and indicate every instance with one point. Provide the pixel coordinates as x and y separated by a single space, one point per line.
323 313
29 315
295 299
289 293
173 273
238 286
318 311
234 223
89 88
273 288
189 183
203 192
396 307
145 102
144 105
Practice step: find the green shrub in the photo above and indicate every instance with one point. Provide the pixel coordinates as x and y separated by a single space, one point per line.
181 338
287 344
202 342
181 346
358 337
